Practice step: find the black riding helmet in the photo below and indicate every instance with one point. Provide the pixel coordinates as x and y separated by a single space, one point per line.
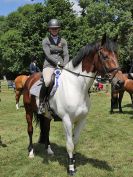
53 23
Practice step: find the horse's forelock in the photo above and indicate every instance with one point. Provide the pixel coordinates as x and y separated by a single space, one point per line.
110 45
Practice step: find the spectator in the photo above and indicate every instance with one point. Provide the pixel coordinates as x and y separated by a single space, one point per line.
33 66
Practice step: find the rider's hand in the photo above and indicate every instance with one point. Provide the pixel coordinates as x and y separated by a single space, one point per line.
59 65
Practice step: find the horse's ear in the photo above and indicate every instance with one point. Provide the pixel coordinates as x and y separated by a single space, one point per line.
103 39
115 38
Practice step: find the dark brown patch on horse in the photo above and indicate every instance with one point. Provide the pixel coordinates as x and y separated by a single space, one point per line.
88 65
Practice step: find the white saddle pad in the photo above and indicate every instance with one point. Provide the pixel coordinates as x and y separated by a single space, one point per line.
35 89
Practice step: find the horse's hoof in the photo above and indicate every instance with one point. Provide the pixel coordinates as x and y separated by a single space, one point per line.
17 108
121 112
49 151
71 173
31 154
111 112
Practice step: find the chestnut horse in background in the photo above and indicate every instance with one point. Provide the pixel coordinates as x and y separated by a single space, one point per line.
19 85
117 95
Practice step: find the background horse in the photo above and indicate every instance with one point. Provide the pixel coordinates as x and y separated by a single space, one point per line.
117 95
71 101
19 85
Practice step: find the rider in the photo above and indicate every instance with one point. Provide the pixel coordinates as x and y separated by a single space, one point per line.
56 54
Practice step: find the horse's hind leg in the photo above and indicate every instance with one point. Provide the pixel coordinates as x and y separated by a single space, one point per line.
17 96
29 117
44 133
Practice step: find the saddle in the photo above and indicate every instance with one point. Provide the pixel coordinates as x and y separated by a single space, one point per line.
35 91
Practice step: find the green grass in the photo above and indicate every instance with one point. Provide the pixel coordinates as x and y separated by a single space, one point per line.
105 145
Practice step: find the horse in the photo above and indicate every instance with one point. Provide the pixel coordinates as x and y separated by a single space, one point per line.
19 85
117 95
71 101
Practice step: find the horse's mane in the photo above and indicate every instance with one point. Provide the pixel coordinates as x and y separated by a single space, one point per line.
89 50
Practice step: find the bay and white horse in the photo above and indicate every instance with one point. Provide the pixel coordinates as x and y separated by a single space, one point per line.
71 101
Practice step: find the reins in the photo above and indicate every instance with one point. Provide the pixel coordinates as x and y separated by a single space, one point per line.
78 74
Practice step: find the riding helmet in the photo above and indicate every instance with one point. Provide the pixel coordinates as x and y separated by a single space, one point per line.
53 23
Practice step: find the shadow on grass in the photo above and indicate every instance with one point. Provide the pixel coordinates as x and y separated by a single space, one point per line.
61 156
130 112
127 105
21 106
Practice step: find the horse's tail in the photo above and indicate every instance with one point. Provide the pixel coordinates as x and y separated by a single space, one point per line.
37 118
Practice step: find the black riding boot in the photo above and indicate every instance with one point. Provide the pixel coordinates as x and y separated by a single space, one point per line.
42 98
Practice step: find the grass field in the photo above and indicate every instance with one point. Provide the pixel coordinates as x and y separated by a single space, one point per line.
105 146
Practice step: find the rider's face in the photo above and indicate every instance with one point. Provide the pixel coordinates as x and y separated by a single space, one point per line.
54 31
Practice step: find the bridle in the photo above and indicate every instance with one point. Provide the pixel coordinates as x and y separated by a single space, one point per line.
106 70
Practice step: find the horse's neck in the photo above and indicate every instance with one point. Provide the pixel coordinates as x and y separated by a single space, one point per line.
83 81
77 69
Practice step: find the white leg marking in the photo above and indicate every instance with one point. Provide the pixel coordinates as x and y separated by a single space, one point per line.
49 150
71 167
17 106
31 154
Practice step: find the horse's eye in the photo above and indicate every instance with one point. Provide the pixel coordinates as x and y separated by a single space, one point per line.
105 57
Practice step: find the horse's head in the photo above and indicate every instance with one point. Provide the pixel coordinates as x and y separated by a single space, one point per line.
106 62
101 59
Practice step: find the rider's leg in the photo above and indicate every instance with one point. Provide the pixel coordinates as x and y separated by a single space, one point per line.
47 74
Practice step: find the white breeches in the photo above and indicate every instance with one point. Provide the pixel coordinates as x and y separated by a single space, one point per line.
47 74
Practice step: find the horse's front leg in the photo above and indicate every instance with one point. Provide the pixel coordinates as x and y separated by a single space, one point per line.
69 144
112 105
120 101
77 130
29 117
76 133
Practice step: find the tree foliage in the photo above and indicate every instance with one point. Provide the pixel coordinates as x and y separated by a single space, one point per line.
22 32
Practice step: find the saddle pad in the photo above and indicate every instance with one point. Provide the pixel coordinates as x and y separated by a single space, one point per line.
35 89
